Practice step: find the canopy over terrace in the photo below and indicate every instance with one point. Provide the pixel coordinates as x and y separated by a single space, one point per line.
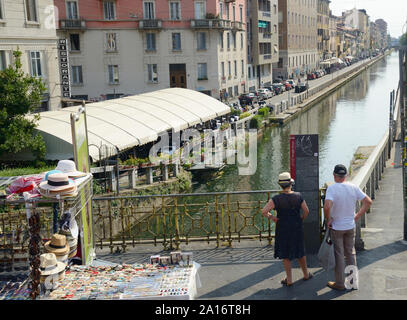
129 121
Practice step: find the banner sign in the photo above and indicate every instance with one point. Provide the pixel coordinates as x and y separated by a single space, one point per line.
81 156
304 162
64 67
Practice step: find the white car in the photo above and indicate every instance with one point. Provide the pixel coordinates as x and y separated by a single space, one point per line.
265 93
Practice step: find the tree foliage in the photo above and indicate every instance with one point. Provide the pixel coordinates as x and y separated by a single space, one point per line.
20 94
403 40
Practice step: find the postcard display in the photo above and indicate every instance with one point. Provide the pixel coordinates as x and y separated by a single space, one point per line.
172 281
12 285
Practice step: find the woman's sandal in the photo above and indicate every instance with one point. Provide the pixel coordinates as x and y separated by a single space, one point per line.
285 283
310 275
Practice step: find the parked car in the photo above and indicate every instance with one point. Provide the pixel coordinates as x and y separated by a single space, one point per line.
278 88
247 98
311 76
278 80
301 87
264 93
291 82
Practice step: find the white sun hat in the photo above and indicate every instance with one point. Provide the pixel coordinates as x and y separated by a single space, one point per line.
69 167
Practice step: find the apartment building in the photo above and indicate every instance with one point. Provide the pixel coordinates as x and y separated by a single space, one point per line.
334 43
262 41
358 19
381 26
323 29
124 47
298 52
29 26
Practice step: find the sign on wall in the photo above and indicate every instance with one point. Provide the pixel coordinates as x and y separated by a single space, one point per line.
64 67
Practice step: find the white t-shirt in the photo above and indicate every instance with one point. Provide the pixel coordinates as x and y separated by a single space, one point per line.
343 196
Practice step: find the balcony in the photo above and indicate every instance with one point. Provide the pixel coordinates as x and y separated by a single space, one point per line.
210 24
227 1
237 25
266 35
267 56
265 14
150 24
73 24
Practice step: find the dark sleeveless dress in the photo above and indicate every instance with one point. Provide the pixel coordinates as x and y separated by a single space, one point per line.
289 234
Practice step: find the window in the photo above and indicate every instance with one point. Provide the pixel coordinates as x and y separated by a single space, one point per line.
223 69
235 65
242 67
234 40
241 40
236 89
221 10
3 64
109 10
175 11
241 13
149 10
71 10
74 42
230 69
228 40
150 41
35 62
152 73
234 13
227 11
221 40
77 75
111 42
31 10
202 71
200 10
176 41
201 41
1 10
113 73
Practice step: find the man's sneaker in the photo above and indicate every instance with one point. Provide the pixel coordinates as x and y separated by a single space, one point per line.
333 285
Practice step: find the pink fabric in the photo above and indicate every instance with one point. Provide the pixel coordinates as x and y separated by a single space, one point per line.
26 184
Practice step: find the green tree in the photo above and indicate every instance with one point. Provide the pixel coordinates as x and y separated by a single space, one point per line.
20 94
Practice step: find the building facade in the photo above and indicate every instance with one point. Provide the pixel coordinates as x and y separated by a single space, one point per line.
29 26
262 44
323 29
298 52
125 47
381 26
358 19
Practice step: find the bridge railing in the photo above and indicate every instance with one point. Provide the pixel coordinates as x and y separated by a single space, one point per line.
170 220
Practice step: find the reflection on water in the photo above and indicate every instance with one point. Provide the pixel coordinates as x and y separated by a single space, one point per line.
355 115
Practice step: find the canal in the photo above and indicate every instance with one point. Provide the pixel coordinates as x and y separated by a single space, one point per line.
354 115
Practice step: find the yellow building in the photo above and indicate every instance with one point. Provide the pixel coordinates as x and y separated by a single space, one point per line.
323 28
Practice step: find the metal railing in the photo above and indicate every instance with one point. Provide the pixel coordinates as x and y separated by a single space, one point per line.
180 218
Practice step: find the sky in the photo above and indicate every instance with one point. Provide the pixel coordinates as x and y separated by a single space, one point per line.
394 12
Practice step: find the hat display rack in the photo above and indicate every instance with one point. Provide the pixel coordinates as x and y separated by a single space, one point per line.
60 203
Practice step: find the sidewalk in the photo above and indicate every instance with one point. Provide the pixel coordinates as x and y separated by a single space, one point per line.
248 270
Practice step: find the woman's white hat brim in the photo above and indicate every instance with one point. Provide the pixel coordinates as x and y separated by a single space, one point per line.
58 268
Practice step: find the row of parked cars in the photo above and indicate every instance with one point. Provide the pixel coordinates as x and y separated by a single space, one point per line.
277 87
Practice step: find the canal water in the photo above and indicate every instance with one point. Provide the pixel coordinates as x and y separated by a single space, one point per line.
356 114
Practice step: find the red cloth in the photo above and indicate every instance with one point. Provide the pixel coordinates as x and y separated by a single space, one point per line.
25 184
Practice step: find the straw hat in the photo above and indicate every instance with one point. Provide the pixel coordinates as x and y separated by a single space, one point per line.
57 245
57 183
285 178
69 167
50 265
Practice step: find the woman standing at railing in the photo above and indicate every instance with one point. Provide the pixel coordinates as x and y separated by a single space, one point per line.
289 238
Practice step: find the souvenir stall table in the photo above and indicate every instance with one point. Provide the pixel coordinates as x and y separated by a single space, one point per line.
127 282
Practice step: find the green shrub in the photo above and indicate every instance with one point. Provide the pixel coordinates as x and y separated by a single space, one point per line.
245 115
264 112
256 122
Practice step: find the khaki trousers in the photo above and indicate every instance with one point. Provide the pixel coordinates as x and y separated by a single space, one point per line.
344 248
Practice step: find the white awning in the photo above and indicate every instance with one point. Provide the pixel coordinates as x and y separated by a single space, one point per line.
130 121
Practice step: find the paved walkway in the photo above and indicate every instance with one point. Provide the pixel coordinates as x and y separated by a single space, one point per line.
248 270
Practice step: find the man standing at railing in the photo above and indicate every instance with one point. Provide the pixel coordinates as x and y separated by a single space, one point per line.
339 212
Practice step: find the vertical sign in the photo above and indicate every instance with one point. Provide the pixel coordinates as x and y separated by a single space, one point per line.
305 168
81 156
64 67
